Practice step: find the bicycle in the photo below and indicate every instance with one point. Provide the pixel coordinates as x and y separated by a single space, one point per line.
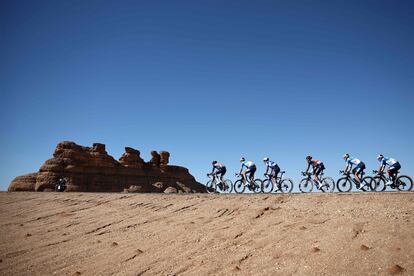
215 185
402 182
284 185
241 184
306 184
344 184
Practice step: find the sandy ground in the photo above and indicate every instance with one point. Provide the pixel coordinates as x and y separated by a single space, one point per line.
148 234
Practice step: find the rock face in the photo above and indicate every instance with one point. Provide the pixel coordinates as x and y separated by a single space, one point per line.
91 169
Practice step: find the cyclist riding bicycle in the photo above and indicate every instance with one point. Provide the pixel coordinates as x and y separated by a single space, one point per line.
317 169
359 167
218 169
250 169
274 168
393 167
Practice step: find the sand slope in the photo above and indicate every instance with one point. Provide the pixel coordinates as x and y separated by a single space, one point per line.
147 234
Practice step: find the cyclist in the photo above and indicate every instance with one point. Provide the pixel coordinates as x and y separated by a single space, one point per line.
250 169
359 167
218 169
393 167
274 168
317 168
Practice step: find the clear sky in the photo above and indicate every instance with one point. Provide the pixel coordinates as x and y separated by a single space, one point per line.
208 80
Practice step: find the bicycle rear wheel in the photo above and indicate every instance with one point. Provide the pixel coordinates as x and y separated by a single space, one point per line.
328 185
286 186
369 184
257 188
239 186
229 186
210 187
267 186
344 185
404 183
306 185
379 184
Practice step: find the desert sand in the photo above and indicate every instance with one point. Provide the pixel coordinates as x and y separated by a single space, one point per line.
200 234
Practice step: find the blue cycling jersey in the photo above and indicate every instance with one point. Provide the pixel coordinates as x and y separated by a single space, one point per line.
247 164
352 161
388 161
271 164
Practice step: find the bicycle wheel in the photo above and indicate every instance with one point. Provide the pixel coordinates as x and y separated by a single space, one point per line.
267 186
344 185
257 188
404 183
239 186
369 184
210 187
286 186
379 184
229 186
328 185
220 188
306 185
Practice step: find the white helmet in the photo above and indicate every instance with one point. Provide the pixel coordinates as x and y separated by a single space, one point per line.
242 159
345 156
380 157
266 159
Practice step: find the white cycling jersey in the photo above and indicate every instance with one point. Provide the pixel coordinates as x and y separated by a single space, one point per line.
247 164
388 161
352 161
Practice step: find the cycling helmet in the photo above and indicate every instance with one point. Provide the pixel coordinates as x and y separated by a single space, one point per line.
266 159
214 162
380 157
242 159
308 157
346 156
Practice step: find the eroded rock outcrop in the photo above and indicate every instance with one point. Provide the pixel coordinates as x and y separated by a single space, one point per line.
91 169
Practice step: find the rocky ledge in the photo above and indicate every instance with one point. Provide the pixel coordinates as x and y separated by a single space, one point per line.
92 169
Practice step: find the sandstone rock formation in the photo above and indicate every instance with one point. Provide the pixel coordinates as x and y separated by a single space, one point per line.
91 169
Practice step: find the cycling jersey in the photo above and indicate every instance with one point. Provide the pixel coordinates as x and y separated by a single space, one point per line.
352 161
271 164
248 164
388 161
315 163
218 166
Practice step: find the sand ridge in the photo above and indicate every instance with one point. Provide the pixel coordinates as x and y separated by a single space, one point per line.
147 234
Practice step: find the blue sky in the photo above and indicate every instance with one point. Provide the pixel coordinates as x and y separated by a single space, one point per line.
208 80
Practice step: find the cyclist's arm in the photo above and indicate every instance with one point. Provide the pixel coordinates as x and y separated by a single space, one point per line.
307 169
381 168
212 171
241 169
267 168
346 168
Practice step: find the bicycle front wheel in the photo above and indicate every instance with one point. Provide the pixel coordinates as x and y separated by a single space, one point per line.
328 185
267 186
306 185
379 184
239 186
404 183
369 184
286 186
344 185
210 187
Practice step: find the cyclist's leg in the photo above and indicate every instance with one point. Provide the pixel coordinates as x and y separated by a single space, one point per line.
222 173
275 172
251 176
316 173
355 171
243 174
